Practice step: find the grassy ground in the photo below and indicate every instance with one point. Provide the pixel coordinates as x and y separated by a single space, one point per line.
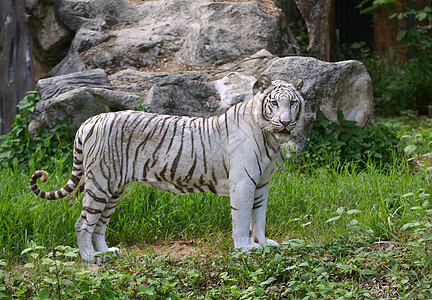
346 233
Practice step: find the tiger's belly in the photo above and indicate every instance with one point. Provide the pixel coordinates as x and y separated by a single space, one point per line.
220 187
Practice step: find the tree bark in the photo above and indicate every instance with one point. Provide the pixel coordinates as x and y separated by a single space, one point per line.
16 71
316 15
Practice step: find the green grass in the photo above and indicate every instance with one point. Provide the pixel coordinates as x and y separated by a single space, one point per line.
347 232
316 205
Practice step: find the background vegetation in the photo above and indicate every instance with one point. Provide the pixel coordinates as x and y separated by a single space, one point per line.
354 213
402 79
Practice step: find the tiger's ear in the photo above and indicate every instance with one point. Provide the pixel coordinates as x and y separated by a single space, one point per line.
261 84
298 83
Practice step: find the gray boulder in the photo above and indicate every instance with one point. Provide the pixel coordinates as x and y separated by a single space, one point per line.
228 30
176 96
118 34
234 88
68 96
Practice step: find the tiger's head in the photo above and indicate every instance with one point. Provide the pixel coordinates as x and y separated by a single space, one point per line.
282 105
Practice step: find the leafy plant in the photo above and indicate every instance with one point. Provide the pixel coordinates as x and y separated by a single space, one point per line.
357 50
46 150
342 268
218 63
399 83
299 30
343 141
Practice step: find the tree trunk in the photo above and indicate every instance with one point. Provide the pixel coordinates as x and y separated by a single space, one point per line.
16 71
316 15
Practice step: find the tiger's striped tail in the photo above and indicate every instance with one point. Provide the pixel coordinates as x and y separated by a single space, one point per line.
73 184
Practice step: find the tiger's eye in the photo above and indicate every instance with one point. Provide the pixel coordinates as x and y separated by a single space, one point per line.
274 103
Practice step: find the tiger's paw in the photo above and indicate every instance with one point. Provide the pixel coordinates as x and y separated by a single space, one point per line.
271 243
112 253
250 247
115 252
102 257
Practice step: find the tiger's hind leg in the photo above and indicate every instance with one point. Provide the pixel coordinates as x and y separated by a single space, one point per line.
98 236
95 202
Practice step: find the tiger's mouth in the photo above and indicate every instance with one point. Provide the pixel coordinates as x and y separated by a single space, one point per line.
283 131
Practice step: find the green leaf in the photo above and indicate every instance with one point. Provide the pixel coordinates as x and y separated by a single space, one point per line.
416 208
333 219
410 149
26 250
353 222
421 16
410 225
29 265
355 228
354 211
340 115
401 35
20 292
44 293
67 282
4 295
367 272
407 195
345 137
346 268
427 238
268 281
308 276
295 242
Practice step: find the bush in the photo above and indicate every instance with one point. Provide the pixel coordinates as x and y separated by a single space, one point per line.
401 84
343 141
46 150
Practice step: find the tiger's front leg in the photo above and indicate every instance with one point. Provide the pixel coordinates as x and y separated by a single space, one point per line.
241 199
259 210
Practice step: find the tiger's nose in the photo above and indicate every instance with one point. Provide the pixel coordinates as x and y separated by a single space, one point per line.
285 123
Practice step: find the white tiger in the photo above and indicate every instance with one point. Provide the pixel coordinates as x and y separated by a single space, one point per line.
232 154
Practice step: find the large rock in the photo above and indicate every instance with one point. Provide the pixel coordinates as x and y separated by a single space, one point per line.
234 88
68 96
118 34
197 98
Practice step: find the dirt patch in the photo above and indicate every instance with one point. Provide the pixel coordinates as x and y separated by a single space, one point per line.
173 248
